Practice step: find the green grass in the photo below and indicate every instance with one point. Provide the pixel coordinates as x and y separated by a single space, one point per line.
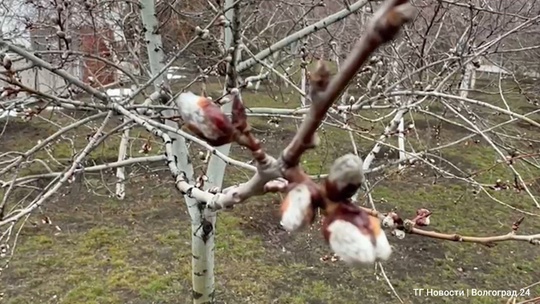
138 250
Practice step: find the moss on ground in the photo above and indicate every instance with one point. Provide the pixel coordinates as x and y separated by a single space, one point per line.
138 250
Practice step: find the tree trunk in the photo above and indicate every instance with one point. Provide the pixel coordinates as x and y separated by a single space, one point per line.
201 224
203 265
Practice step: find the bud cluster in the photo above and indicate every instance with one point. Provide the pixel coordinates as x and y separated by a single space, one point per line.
353 234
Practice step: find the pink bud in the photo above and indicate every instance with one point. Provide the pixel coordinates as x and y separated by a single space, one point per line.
205 119
239 117
355 236
422 217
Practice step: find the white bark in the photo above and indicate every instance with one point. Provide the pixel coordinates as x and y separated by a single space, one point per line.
275 60
466 84
154 45
391 126
399 101
120 172
258 83
202 251
124 141
216 166
303 86
395 123
203 243
466 81
401 142
324 23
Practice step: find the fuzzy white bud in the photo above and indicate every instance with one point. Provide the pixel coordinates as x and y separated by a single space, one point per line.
296 209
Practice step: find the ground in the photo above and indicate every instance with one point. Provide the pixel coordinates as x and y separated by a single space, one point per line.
98 249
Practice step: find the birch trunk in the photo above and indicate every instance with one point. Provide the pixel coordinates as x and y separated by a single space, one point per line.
467 80
120 172
154 45
216 166
401 141
202 246
124 141
395 123
465 85
399 101
391 126
469 69
258 83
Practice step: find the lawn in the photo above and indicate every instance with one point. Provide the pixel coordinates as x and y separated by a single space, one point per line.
101 250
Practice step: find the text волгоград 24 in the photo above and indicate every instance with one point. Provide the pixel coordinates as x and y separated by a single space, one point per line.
471 292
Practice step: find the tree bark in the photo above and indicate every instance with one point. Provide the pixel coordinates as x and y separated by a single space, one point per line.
202 241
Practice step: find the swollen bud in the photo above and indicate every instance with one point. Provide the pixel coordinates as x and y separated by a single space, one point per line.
297 209
239 116
222 21
205 119
422 217
6 61
345 178
355 236
320 79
